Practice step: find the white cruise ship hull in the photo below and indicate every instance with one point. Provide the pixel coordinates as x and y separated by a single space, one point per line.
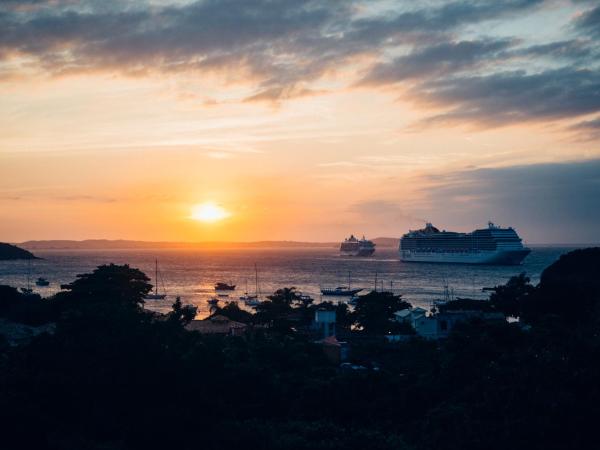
492 257
361 252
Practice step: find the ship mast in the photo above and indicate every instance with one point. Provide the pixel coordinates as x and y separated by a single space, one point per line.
156 276
256 279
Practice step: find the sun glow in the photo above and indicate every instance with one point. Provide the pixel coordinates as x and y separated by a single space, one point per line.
209 212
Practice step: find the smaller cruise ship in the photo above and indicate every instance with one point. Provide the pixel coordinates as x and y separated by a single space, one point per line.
353 246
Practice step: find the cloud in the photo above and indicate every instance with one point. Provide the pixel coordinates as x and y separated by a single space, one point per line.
381 212
513 97
43 194
279 42
438 19
282 93
554 202
437 51
571 49
436 60
588 129
588 23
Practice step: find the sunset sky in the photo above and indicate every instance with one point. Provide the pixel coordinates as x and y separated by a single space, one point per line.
248 120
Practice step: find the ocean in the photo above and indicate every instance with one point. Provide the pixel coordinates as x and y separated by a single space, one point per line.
191 274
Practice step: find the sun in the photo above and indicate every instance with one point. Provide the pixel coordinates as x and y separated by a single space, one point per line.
209 212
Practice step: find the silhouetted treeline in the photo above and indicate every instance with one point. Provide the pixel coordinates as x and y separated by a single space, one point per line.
115 376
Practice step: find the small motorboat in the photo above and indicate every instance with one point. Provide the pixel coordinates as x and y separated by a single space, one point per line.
306 298
42 282
250 300
224 287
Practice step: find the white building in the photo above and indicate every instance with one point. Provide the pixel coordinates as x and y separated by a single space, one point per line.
325 322
409 315
439 325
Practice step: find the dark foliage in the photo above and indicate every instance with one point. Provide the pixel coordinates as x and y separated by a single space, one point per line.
29 309
119 286
232 311
510 297
114 376
576 275
569 292
466 304
182 314
374 312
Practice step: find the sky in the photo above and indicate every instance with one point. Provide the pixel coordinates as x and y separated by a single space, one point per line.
244 120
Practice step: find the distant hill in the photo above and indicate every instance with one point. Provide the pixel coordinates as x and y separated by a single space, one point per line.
386 242
9 252
120 244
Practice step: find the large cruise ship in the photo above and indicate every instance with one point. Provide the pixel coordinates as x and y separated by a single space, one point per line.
491 245
357 247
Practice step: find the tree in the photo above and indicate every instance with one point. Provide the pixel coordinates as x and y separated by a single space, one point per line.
509 298
233 312
182 314
29 309
277 310
374 312
569 289
108 284
286 295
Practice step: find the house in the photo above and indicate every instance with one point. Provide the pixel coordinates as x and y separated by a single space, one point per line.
323 328
409 315
324 322
334 350
217 324
438 326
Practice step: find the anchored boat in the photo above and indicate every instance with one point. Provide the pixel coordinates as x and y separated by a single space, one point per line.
341 291
491 245
155 295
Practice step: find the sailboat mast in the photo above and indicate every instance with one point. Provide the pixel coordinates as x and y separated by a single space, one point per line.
29 274
256 278
156 276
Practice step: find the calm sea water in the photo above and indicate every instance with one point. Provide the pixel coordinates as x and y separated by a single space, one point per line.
192 274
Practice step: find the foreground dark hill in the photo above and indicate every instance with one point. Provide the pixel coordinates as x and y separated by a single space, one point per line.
9 252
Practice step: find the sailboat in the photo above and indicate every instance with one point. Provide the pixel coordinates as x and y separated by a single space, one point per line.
154 295
341 291
252 300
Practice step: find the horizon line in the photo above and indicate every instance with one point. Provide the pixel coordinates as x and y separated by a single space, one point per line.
253 242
